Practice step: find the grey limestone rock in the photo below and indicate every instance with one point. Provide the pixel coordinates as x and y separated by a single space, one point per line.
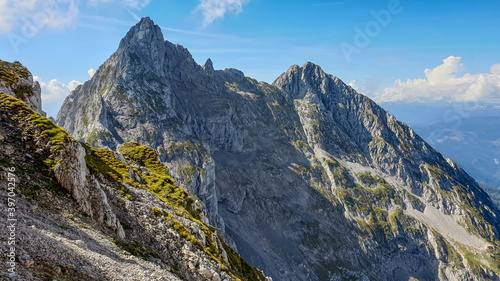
309 179
18 82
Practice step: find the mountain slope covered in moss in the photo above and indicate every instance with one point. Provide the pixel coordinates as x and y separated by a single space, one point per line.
87 213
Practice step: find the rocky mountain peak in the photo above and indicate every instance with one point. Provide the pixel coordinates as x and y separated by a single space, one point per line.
144 32
301 80
144 47
208 66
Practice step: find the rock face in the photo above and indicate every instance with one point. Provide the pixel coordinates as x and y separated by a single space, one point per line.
308 178
17 81
83 213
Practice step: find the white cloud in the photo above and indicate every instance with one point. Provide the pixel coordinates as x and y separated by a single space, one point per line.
73 84
55 90
495 69
496 161
91 72
30 16
133 4
213 10
136 4
443 83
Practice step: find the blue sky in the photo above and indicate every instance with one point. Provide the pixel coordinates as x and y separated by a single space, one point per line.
456 41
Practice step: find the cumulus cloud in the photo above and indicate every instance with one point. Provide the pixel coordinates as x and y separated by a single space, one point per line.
30 16
213 10
496 161
91 72
54 90
444 84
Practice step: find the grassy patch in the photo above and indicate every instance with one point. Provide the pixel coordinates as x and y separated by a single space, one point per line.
436 172
189 171
376 141
11 72
369 180
19 111
137 249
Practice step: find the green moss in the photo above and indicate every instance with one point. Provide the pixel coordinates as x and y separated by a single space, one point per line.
188 147
362 200
85 120
157 211
414 201
156 179
436 172
137 249
189 171
20 112
376 141
340 174
104 161
237 267
384 227
369 180
11 72
371 117
478 262
5 162
47 276
445 249
299 145
96 135
244 271
103 91
370 205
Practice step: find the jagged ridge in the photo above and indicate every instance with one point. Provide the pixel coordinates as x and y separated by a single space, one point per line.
311 179
112 193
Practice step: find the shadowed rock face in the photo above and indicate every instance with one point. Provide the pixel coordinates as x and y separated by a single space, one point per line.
308 179
81 213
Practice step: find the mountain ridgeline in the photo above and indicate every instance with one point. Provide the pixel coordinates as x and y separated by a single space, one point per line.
305 178
82 213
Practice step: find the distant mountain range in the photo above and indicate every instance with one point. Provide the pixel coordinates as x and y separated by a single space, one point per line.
468 134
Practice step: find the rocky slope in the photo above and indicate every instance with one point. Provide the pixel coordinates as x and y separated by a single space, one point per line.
84 213
308 179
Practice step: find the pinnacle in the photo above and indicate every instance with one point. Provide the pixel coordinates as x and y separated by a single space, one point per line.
144 31
208 66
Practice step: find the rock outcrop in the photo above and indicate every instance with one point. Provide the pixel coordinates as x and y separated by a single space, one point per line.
82 213
310 179
17 81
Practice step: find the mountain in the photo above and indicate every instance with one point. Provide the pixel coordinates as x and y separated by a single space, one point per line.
461 132
494 194
473 144
306 178
75 212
